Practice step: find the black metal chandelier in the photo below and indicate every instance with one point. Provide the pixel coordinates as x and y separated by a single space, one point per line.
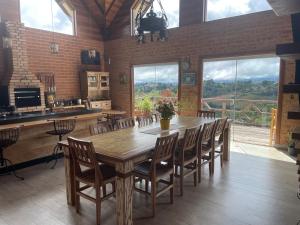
151 23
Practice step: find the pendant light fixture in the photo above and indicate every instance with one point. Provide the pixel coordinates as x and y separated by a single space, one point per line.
54 47
151 22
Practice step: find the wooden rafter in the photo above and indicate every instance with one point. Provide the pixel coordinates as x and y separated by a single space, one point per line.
95 11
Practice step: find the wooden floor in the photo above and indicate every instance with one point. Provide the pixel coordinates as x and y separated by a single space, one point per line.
250 190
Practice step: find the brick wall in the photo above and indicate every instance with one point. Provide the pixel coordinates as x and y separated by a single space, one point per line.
65 64
246 35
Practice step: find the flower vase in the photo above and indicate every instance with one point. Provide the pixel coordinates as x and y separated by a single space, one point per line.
165 124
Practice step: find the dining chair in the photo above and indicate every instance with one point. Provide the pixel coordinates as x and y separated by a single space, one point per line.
219 139
91 174
206 148
187 156
157 116
125 123
144 120
100 128
206 114
160 167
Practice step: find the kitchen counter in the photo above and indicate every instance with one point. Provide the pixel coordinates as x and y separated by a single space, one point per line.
35 145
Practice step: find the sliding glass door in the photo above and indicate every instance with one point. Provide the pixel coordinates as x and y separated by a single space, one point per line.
244 90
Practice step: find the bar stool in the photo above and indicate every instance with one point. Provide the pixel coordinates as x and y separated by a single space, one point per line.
61 128
8 137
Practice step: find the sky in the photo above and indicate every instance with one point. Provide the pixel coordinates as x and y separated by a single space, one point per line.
244 69
167 73
37 14
226 70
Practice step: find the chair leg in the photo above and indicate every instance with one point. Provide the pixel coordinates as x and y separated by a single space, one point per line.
172 189
98 205
77 197
181 180
104 190
146 185
5 162
153 194
199 169
221 157
195 173
113 186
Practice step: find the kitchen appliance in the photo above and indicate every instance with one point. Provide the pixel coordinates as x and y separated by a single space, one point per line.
27 97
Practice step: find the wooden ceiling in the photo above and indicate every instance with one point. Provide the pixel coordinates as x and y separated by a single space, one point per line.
285 7
103 11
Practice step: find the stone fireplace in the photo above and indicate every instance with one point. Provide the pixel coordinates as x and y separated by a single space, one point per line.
20 82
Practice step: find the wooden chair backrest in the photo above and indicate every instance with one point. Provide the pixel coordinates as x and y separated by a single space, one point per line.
206 114
9 136
165 150
190 139
83 154
100 128
65 126
125 123
207 134
220 127
190 142
157 116
144 120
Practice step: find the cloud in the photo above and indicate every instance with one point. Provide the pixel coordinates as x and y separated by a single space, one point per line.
171 8
244 68
167 73
218 9
37 14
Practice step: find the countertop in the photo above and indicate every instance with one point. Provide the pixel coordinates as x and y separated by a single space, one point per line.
81 116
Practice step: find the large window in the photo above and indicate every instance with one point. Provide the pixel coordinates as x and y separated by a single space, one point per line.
219 9
244 90
50 15
153 83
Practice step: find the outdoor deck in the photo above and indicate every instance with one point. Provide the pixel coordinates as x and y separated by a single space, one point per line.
250 134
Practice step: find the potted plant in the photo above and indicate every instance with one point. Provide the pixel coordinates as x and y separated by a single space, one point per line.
145 106
291 145
166 110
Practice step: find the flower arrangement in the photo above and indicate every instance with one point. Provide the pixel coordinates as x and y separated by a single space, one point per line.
166 109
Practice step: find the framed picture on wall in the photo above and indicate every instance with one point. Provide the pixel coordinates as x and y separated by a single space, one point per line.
189 79
123 79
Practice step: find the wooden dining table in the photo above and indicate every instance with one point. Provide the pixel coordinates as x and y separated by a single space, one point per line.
124 149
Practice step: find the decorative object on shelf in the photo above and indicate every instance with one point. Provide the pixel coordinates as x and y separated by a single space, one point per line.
167 111
189 78
151 23
123 79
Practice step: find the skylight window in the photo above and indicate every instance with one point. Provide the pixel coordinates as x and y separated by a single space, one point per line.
49 15
220 9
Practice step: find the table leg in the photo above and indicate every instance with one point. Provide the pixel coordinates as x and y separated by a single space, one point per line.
227 140
70 189
124 189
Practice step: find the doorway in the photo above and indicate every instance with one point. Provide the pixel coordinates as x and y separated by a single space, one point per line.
246 91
